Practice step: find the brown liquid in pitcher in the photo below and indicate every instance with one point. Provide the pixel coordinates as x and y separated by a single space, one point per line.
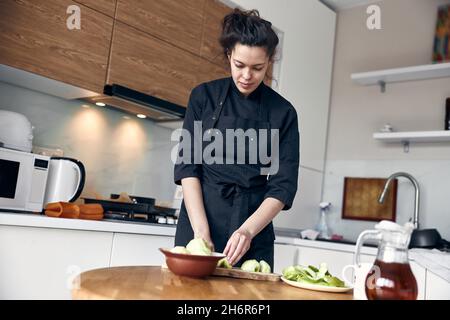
395 282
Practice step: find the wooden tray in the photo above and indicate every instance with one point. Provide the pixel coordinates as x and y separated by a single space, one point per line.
238 273
361 199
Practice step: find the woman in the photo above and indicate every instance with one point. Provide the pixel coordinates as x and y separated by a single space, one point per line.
227 202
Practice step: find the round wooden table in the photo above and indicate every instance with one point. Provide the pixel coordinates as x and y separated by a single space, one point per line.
154 282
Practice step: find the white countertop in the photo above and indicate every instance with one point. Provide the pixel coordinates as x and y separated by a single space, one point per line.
344 247
42 221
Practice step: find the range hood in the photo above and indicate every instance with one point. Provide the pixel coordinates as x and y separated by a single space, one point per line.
136 102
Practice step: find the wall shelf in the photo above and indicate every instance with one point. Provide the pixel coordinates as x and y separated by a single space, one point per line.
382 77
412 136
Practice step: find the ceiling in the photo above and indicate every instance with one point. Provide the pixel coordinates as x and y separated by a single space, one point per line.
338 5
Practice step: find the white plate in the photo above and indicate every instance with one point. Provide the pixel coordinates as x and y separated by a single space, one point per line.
316 287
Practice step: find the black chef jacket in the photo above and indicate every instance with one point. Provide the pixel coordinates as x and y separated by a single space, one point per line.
232 192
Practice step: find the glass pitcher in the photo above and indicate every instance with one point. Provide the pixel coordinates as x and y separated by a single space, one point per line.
390 277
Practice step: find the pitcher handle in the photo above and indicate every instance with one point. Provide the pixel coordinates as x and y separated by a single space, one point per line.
368 234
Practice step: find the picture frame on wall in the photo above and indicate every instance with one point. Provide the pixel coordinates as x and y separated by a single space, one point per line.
441 47
360 200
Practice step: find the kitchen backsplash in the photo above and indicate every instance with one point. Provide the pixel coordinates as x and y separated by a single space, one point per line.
120 154
433 177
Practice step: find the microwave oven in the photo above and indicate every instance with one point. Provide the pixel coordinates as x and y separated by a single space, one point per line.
23 179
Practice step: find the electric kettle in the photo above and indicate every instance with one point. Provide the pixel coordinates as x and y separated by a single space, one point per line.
65 182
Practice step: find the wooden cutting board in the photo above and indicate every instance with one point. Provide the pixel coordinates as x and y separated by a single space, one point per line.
238 273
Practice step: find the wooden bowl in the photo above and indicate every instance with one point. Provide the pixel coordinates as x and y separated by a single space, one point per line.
191 265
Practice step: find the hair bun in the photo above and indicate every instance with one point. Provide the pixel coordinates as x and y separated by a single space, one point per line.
245 14
248 28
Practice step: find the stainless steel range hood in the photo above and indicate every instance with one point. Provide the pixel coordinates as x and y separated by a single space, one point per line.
136 102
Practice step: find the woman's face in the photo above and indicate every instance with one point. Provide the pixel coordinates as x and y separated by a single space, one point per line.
248 67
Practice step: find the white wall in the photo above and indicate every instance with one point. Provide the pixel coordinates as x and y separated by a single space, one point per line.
120 155
305 80
356 112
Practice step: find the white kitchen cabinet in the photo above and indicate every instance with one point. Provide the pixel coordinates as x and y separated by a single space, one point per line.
137 249
437 288
40 263
335 260
285 255
289 254
420 274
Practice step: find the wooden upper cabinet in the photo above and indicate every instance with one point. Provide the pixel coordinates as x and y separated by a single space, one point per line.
178 22
34 37
107 7
144 63
208 71
210 48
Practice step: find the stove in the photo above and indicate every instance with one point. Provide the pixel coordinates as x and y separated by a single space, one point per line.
142 210
155 218
443 246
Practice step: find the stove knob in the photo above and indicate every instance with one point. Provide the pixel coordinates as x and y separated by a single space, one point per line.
162 220
170 220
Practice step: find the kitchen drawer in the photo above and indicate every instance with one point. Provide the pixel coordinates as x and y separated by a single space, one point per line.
437 288
285 255
43 262
335 260
139 250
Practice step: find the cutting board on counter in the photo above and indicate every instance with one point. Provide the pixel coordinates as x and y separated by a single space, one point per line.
240 274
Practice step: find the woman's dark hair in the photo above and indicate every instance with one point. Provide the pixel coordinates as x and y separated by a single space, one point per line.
247 28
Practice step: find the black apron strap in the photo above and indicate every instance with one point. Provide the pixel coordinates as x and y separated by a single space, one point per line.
211 123
264 114
263 105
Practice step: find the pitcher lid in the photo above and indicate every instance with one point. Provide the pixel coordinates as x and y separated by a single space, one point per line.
386 225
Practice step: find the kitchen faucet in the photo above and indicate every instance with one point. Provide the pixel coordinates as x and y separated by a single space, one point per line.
416 187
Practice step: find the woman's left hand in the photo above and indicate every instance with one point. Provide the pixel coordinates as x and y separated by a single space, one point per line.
237 245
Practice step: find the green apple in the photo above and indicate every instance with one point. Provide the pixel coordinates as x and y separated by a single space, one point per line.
198 246
251 266
264 267
180 249
223 263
